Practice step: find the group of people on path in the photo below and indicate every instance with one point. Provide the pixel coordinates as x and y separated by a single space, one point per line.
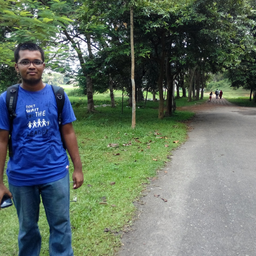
218 94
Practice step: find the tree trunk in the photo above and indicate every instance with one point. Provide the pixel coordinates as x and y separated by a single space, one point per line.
146 98
170 90
89 83
122 100
178 90
111 92
197 82
182 85
154 96
89 86
191 81
203 85
132 71
160 81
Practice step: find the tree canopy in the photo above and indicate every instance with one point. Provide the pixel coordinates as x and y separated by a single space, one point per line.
175 42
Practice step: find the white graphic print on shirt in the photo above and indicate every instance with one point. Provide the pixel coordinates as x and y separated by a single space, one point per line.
32 110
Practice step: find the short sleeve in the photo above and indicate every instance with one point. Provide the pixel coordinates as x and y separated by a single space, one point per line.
4 117
68 115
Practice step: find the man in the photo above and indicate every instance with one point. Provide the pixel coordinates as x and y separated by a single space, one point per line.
217 93
39 163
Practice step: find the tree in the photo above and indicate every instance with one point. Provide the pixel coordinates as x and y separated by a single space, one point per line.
132 71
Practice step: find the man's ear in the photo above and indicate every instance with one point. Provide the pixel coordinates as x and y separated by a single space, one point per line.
16 68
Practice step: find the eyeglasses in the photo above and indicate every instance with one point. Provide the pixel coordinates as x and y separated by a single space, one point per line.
28 62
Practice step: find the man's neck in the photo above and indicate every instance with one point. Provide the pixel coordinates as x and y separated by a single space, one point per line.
32 87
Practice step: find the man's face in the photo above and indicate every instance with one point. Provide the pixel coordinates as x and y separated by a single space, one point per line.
30 74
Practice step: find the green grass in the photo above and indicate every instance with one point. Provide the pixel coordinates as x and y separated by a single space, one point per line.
117 162
242 101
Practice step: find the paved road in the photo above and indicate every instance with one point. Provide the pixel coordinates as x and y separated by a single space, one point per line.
210 188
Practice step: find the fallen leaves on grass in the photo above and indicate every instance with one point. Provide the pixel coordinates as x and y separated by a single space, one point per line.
113 145
127 144
176 141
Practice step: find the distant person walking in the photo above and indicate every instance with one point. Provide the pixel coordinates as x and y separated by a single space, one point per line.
221 93
217 93
210 98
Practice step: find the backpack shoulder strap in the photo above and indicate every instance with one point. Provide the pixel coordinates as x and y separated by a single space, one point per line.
11 102
60 100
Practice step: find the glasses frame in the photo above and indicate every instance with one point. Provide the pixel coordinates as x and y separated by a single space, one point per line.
31 62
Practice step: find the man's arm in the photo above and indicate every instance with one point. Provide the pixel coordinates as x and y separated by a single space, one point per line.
4 136
69 136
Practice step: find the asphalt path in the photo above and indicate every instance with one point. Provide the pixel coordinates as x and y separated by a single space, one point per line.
204 201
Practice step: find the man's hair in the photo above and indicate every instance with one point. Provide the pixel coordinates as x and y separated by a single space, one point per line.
27 46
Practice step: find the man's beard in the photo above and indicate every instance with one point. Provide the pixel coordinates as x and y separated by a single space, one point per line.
32 82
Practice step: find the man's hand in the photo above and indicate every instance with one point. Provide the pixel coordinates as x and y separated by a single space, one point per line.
4 191
78 179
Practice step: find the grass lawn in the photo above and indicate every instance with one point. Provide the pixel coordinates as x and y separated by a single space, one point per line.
117 162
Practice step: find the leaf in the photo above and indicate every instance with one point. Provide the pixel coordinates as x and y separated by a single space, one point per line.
164 200
127 144
176 141
154 159
66 19
25 13
166 145
47 20
113 145
9 12
117 154
112 183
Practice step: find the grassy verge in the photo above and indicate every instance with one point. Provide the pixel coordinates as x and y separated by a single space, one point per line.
118 161
242 101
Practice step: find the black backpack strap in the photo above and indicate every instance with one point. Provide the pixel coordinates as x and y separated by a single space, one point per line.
60 100
11 102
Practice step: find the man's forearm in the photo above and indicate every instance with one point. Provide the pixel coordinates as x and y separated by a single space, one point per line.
4 135
72 146
3 150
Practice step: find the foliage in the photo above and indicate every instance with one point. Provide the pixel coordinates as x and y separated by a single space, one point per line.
212 86
90 40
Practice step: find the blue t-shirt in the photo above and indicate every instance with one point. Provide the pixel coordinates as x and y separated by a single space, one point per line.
38 154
